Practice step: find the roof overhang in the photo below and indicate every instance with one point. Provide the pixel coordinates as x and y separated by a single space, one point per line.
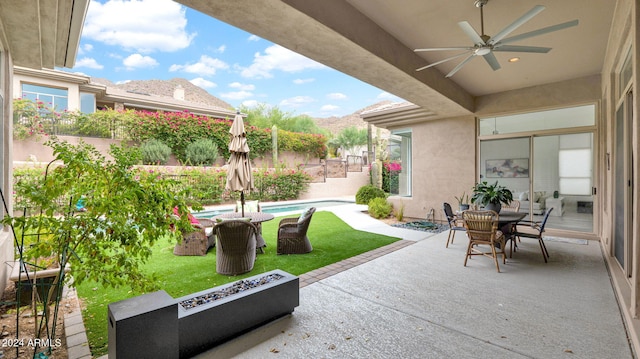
43 33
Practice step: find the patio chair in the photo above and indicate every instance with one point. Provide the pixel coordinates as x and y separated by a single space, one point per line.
455 223
514 206
292 234
536 233
235 246
482 230
197 242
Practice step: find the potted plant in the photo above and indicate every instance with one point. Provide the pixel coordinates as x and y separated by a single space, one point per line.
491 196
463 201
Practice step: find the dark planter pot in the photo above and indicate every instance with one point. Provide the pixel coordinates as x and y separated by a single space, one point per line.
496 207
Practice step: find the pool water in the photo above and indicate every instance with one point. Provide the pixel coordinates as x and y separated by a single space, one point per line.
276 208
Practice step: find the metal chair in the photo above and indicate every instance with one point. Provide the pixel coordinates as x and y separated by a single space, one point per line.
538 229
235 246
455 224
482 229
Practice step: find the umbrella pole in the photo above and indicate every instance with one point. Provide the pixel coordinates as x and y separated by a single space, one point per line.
242 201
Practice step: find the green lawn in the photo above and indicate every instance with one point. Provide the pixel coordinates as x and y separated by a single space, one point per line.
332 240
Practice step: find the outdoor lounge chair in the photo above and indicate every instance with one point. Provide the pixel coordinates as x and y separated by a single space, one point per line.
236 246
455 223
197 242
292 234
482 230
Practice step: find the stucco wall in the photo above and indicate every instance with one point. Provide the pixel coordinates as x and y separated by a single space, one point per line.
443 165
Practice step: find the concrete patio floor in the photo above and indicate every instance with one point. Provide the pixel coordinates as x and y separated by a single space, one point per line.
419 301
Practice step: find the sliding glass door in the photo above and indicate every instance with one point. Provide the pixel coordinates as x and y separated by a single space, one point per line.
547 160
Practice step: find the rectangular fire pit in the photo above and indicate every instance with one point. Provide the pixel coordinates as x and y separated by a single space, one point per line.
212 322
197 322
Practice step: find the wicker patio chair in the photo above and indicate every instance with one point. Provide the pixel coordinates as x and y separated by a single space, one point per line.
236 246
197 242
482 230
455 223
514 206
292 234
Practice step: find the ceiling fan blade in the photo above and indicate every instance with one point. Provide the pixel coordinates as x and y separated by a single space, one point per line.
516 24
455 69
444 48
516 48
492 61
471 32
441 61
538 32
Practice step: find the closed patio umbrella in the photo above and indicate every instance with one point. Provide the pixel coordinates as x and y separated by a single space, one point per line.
239 176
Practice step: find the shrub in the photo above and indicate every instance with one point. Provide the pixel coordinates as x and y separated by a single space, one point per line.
154 152
369 192
380 208
201 152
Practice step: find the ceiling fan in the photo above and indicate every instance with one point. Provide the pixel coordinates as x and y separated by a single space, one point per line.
484 45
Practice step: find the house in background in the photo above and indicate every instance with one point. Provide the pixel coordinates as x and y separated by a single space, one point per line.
559 121
62 91
44 36
69 91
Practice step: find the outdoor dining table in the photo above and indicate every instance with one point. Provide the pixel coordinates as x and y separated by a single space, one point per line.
506 223
256 218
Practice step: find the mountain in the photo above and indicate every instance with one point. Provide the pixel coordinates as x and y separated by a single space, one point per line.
336 124
192 93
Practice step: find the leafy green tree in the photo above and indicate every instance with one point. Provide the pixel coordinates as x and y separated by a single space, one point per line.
265 116
350 138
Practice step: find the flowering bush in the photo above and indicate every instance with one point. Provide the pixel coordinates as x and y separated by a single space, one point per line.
390 178
205 185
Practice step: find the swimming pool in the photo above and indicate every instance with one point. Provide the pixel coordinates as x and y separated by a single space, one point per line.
276 208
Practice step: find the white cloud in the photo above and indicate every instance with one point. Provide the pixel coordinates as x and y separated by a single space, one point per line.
206 66
237 95
254 38
221 48
84 49
141 25
200 82
88 62
246 87
277 57
122 82
303 81
296 101
329 108
250 103
337 96
138 61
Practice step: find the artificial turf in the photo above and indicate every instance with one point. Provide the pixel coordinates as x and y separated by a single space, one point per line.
332 240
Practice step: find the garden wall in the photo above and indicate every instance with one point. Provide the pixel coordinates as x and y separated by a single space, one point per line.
34 150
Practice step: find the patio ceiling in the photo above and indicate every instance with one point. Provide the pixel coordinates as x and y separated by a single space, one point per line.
43 33
373 40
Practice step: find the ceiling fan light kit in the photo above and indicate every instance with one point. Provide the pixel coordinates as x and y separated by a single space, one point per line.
484 45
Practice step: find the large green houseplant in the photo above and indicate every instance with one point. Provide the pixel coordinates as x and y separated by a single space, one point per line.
99 216
491 196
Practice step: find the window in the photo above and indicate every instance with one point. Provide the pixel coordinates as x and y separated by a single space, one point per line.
87 102
399 167
575 164
537 121
53 98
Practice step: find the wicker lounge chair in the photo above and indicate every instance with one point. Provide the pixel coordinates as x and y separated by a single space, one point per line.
198 242
292 234
236 246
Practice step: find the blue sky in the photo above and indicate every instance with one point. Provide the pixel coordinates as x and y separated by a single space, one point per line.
160 39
